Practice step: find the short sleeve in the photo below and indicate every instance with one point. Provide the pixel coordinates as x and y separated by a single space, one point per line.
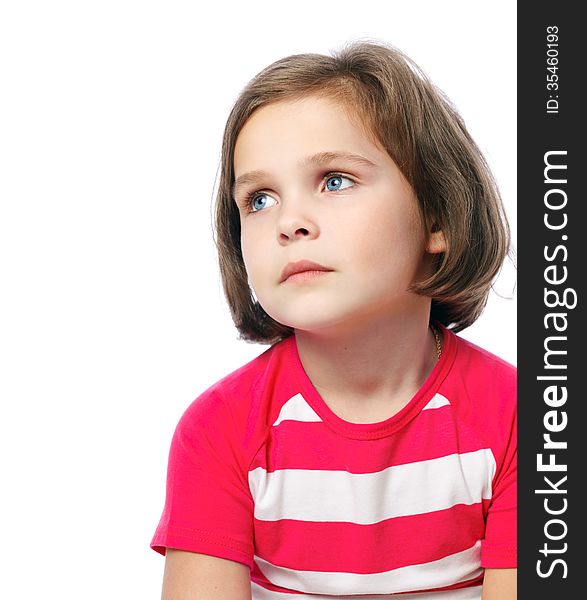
499 548
208 504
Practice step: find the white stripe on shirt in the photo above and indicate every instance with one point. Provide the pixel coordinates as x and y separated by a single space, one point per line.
366 498
452 569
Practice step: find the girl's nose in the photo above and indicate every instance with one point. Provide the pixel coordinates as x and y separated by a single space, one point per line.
296 227
296 220
292 232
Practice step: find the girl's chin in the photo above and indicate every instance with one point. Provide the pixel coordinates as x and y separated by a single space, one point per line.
322 324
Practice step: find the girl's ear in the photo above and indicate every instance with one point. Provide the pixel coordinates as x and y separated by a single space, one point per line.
436 241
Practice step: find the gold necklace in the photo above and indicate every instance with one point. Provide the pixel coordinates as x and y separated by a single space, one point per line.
437 340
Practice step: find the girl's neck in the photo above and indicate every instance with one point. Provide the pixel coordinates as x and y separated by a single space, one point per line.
383 363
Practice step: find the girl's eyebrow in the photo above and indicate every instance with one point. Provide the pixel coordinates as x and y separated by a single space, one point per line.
318 159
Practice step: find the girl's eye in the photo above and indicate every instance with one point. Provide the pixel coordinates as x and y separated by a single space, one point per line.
258 201
335 182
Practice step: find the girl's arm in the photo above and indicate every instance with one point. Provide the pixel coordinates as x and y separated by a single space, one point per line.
194 576
500 584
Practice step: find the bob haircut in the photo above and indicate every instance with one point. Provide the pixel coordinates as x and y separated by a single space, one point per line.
403 112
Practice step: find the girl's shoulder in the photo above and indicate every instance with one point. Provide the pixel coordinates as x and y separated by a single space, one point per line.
482 389
257 375
239 406
479 365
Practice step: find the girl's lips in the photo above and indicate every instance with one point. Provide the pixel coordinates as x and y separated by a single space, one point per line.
305 275
302 266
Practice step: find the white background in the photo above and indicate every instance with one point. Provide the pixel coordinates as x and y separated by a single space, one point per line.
112 314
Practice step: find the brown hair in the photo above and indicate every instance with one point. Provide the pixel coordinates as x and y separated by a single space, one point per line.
426 137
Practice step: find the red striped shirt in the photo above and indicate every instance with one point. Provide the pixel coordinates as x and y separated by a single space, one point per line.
263 472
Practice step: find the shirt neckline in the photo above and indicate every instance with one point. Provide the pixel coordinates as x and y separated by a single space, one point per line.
395 422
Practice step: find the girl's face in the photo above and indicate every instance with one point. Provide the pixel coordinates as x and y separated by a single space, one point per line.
312 186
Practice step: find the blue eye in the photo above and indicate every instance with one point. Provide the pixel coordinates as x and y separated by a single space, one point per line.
334 183
258 201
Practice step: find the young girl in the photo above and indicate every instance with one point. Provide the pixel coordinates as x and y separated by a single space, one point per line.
369 450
